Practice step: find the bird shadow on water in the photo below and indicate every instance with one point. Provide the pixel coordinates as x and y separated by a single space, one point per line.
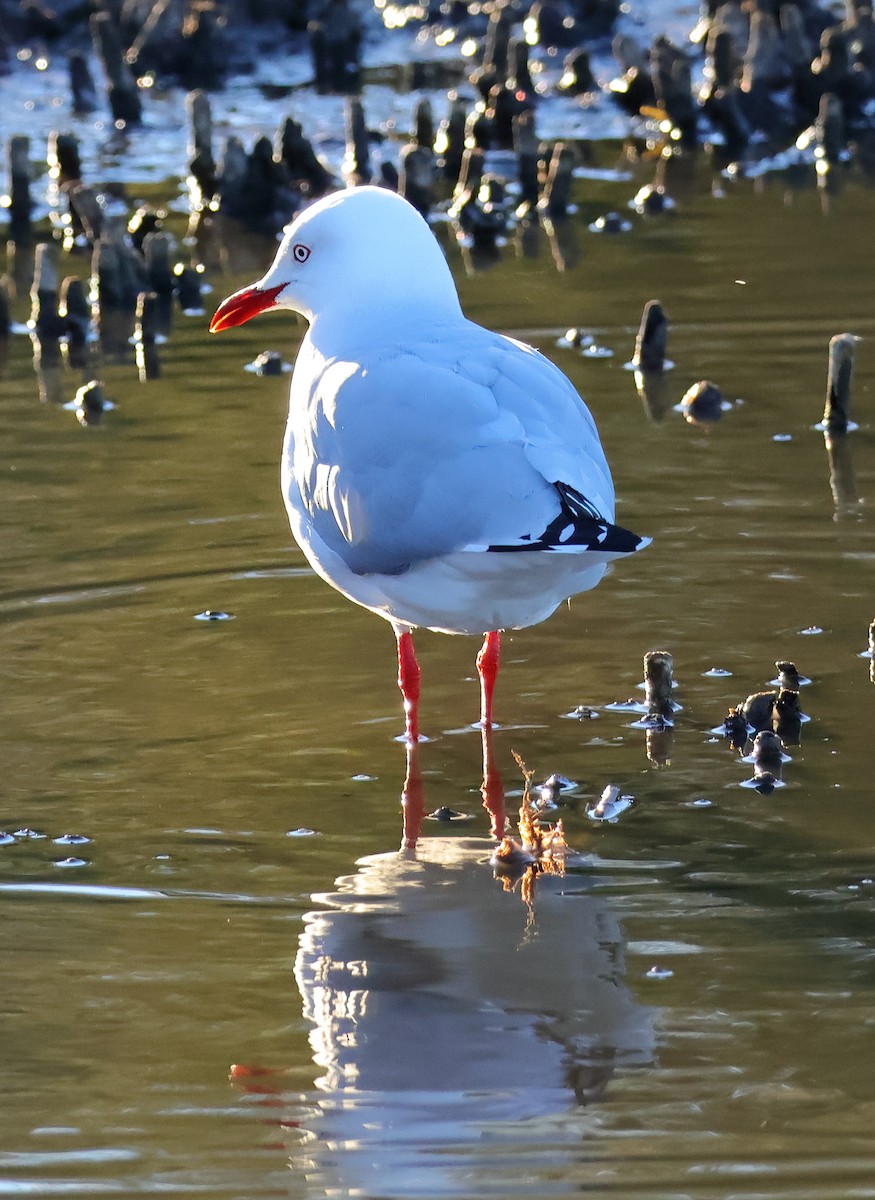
453 1014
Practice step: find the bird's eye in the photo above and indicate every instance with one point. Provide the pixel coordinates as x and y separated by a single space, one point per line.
300 252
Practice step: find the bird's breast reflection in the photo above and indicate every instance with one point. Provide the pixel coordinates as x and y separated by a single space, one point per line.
441 1003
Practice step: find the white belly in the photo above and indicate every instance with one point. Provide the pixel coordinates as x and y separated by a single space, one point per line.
467 592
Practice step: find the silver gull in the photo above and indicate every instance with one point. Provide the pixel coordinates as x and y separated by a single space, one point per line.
437 473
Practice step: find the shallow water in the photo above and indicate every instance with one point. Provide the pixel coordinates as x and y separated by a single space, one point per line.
243 989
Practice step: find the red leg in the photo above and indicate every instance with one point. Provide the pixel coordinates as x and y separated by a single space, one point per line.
487 666
492 788
408 682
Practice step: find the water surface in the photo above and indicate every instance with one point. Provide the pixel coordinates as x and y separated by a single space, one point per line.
200 1003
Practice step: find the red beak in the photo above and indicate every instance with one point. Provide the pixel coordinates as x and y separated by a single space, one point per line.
243 305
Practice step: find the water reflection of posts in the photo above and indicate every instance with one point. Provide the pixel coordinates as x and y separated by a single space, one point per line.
829 130
5 323
836 424
20 203
46 325
450 139
145 337
649 360
75 312
841 476
47 364
562 235
158 255
768 762
787 717
121 276
526 148
19 267
557 186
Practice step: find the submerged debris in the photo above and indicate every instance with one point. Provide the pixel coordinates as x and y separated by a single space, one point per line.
541 849
447 815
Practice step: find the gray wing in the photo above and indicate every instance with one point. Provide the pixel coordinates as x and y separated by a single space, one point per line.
419 452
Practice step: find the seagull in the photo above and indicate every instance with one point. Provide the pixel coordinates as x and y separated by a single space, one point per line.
439 474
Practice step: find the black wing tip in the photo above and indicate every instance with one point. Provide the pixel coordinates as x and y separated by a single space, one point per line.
579 527
601 538
623 541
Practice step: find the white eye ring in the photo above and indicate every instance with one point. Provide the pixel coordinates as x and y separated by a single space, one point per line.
300 252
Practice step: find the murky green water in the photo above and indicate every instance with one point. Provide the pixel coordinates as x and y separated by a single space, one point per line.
463 1046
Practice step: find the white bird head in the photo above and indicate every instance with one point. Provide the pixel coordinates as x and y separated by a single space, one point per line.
358 251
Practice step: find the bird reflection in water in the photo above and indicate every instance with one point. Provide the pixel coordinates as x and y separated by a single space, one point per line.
443 1009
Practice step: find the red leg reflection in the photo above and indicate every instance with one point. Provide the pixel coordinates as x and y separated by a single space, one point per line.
488 661
492 789
412 799
408 682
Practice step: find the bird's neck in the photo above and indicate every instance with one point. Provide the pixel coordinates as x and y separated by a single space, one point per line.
365 324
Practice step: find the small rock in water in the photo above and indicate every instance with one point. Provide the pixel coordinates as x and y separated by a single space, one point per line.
302 832
788 677
768 751
717 673
768 759
757 710
583 712
652 200
188 290
551 789
70 862
736 728
27 834
657 972
611 223
575 338
214 614
702 404
610 806
89 404
447 814
6 839
71 839
269 362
